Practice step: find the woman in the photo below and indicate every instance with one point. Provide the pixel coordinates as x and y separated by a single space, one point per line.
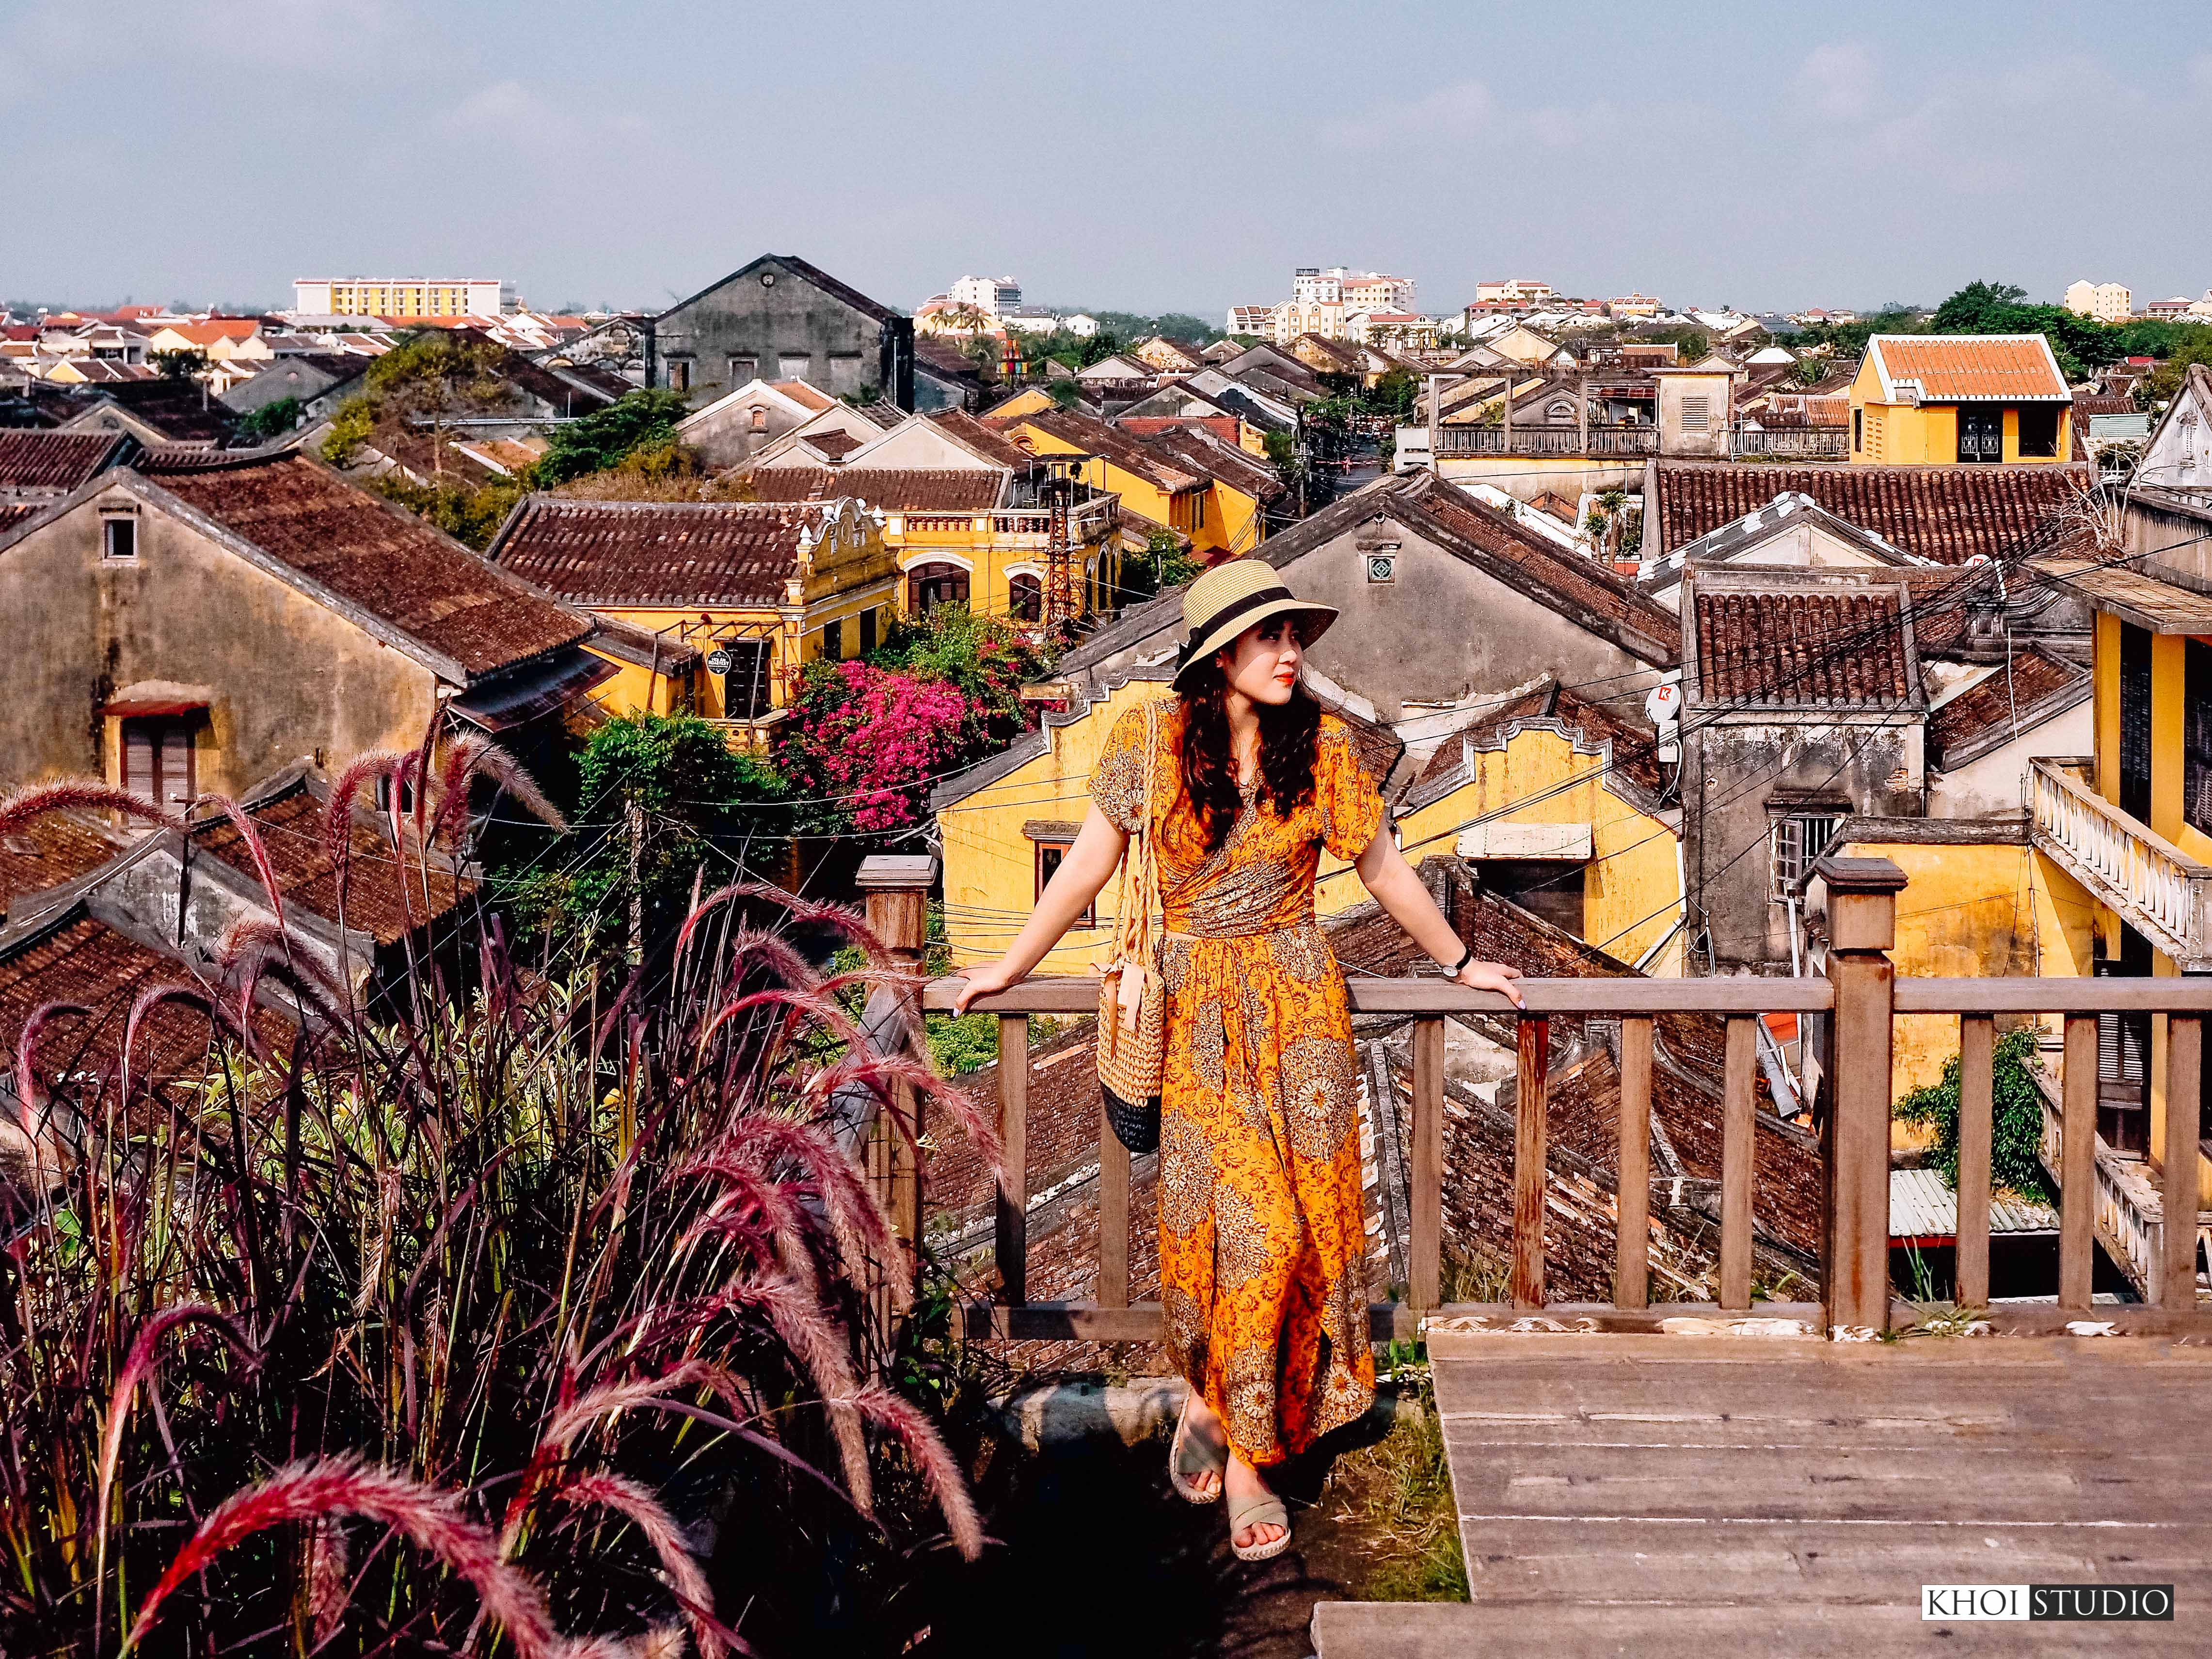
1262 1270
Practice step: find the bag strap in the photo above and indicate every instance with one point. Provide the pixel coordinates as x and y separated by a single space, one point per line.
1141 883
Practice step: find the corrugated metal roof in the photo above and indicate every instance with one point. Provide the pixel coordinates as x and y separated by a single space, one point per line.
1922 1206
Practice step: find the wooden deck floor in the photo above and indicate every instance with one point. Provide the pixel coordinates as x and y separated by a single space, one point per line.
1679 1494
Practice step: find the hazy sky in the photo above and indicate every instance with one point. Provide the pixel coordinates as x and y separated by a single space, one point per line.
1140 157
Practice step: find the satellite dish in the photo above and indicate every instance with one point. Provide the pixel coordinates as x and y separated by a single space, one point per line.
1662 705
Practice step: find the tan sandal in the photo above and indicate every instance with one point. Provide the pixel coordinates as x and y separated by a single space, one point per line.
1266 1510
1183 1467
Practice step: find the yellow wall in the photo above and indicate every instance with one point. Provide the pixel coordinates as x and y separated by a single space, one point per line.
990 866
1029 400
1969 912
1232 516
1927 435
1632 886
860 572
993 559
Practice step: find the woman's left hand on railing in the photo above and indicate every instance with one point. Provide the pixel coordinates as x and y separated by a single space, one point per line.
1492 976
985 980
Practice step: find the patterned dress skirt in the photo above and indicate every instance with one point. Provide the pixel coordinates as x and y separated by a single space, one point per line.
1262 1236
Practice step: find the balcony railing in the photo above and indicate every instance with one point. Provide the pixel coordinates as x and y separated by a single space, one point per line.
1858 997
2164 894
1822 443
1812 443
1090 521
1459 441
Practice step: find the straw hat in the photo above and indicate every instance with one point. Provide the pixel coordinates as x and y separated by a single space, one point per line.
1233 596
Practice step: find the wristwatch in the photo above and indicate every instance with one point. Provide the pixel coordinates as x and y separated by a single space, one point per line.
1459 967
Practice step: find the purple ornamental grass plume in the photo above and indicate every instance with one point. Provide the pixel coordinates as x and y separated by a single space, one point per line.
250 833
641 1509
30 1097
430 1519
473 756
78 794
136 1365
929 1454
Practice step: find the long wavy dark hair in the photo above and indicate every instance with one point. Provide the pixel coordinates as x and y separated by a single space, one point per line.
1288 735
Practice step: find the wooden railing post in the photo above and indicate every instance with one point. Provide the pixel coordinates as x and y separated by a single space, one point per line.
1861 912
1425 1279
898 891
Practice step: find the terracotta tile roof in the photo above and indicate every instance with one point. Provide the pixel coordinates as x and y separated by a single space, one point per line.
619 553
1141 427
982 436
384 894
937 490
1969 366
1946 513
2033 678
179 410
1825 645
14 513
801 392
385 561
1094 437
1200 452
86 962
1581 579
49 852
59 461
834 444
1635 747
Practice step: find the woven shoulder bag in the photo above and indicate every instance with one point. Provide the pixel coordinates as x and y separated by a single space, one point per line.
1131 1033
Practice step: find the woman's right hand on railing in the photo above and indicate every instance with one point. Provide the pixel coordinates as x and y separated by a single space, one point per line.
986 981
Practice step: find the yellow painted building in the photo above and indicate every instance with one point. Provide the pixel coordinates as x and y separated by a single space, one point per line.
1222 515
1557 803
738 595
1942 399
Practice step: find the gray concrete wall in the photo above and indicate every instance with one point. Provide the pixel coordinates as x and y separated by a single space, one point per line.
772 327
283 675
1734 771
1443 630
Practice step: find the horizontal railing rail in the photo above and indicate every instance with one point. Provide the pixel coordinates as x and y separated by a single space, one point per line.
1819 442
1852 1009
1540 440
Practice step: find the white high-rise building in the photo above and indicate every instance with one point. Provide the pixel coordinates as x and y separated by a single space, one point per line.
1322 301
988 295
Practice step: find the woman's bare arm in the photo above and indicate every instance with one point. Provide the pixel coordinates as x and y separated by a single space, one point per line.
1081 874
1384 868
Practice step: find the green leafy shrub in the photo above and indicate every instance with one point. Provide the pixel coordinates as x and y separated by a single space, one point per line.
2016 1115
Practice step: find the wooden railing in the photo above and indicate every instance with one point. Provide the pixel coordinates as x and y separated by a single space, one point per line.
1859 997
1820 443
2166 895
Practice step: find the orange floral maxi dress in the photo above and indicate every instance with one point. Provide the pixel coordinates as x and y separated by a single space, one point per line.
1263 1238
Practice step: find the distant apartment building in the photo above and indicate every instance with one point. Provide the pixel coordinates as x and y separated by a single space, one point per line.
2108 302
399 296
1324 301
1515 291
989 294
1256 321
1633 305
2167 310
